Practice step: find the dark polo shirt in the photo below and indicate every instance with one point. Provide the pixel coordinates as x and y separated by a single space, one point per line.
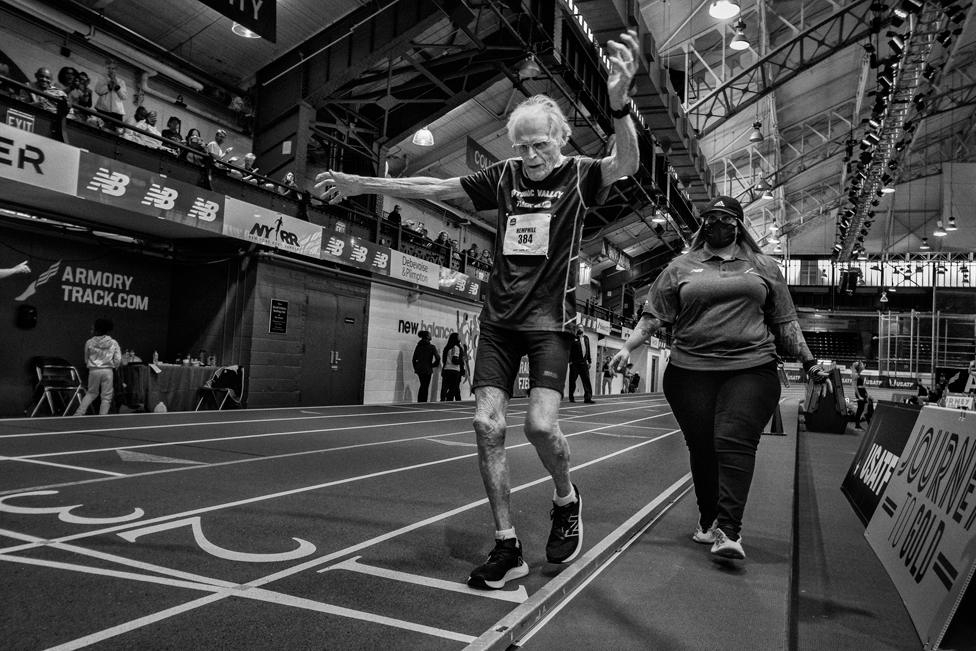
720 310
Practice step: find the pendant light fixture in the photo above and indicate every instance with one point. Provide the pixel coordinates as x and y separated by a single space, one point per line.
739 41
724 9
423 137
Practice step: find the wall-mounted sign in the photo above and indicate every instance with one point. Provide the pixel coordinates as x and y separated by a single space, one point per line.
278 321
477 157
259 16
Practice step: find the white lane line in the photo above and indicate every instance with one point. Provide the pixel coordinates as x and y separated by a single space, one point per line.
463 444
142 457
233 590
310 564
199 423
63 465
595 552
231 438
305 489
519 595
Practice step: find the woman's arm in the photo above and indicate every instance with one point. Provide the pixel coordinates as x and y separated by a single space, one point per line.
789 339
645 329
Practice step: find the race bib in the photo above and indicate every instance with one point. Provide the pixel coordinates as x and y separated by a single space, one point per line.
527 234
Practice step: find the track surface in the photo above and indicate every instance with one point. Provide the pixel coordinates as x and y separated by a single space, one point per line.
339 527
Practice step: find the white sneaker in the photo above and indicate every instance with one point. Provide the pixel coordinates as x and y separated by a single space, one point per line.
705 537
724 547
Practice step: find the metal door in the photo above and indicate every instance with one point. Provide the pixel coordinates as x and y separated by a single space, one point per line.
333 360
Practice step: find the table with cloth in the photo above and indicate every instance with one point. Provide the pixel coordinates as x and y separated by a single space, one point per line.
175 386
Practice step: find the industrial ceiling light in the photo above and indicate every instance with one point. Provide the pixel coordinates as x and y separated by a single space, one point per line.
774 227
659 217
756 135
951 225
768 194
925 244
778 249
529 69
939 231
423 137
724 9
244 32
739 40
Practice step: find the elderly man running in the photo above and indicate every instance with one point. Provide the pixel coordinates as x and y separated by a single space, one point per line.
540 197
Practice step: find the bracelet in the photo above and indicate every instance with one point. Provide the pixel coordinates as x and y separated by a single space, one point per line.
621 112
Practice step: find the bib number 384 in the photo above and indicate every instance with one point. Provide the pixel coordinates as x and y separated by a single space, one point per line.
527 234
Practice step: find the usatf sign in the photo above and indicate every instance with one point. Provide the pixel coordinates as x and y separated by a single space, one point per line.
924 531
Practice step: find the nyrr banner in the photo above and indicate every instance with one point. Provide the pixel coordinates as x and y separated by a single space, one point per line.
355 252
41 162
924 532
259 16
246 221
138 190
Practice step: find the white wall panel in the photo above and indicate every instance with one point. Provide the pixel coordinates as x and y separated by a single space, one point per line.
395 317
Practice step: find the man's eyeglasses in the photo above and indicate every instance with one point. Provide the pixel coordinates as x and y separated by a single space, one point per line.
725 219
523 148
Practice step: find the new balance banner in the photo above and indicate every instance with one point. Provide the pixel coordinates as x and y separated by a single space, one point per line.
459 284
246 221
355 252
924 531
28 158
138 190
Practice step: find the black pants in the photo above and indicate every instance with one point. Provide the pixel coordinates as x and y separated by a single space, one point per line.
862 401
450 385
580 370
722 415
424 386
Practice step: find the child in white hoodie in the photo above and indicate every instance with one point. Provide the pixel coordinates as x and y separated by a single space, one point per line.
102 356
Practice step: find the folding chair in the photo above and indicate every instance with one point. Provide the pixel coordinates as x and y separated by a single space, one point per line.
56 379
225 386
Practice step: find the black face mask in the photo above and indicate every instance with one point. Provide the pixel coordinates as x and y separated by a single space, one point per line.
719 235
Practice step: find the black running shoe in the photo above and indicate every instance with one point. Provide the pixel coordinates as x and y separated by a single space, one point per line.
566 537
504 564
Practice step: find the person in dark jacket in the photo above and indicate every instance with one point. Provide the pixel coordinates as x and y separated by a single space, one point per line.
579 366
425 360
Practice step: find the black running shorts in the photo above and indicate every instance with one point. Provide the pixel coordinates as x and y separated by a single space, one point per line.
500 351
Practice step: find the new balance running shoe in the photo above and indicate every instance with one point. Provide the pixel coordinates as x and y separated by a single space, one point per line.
504 564
566 536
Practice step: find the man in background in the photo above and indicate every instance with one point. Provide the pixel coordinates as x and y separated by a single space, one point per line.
425 360
579 366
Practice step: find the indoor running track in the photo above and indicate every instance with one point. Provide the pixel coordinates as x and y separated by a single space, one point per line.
328 528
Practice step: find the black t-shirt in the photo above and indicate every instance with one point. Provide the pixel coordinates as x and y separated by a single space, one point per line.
533 281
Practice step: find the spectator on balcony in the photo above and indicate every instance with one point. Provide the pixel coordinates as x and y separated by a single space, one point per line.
394 215
194 141
289 186
8 88
48 94
79 95
246 172
443 240
67 77
472 251
147 123
215 147
172 130
485 257
112 93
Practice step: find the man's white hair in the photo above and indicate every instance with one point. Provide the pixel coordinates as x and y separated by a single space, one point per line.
544 105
